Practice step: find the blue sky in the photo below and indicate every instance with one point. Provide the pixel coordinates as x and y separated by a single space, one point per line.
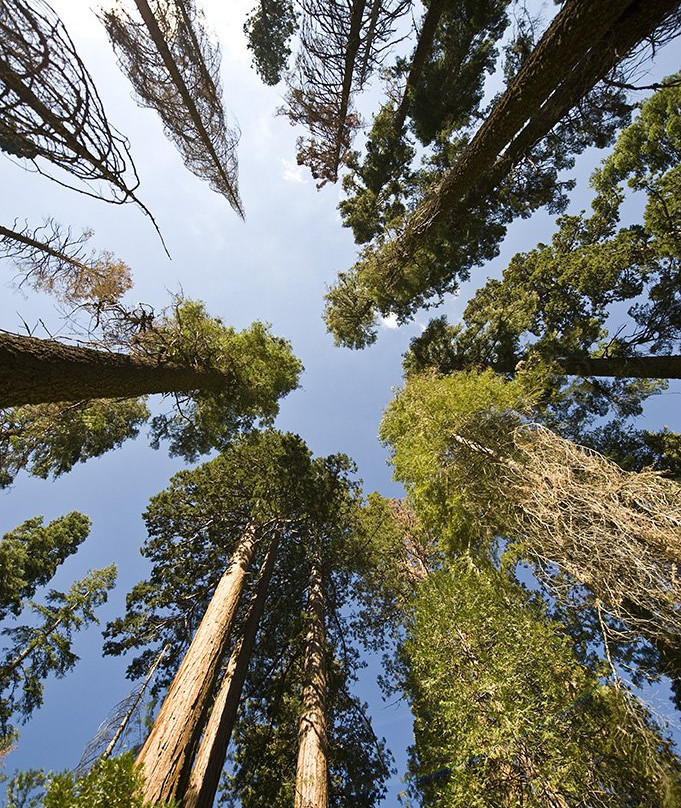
275 266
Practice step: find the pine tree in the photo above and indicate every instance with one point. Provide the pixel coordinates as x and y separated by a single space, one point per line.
509 167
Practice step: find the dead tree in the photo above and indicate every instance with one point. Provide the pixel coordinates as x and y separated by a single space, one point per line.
174 67
341 45
51 259
49 107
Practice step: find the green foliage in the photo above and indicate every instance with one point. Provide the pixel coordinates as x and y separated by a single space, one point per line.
112 783
505 715
31 553
429 417
44 646
269 28
49 439
253 370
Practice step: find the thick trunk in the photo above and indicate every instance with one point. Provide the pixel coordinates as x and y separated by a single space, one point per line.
41 371
625 367
210 758
583 34
423 48
167 754
312 790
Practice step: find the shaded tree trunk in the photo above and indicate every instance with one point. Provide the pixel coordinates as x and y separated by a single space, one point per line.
578 31
423 49
167 754
40 371
41 246
625 367
312 789
210 758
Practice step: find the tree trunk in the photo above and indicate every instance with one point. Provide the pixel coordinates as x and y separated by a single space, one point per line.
205 774
171 66
27 241
168 751
578 36
41 371
351 52
624 367
423 48
312 789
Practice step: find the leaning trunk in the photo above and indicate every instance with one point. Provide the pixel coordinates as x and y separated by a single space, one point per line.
168 751
205 774
616 367
42 371
312 789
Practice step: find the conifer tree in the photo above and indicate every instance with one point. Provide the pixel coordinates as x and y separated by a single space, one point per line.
174 68
482 183
38 649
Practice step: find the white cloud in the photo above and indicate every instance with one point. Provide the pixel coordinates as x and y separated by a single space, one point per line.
390 321
292 171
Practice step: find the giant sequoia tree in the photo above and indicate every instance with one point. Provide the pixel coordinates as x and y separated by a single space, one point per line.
262 497
460 217
174 68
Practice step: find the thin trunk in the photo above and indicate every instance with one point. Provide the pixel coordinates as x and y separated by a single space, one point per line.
5 670
312 790
373 19
120 729
164 52
210 758
354 42
423 49
22 238
41 371
168 751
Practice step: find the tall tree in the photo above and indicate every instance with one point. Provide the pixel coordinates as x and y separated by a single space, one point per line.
462 442
230 378
269 28
267 479
341 43
37 650
31 553
505 714
49 107
436 244
174 67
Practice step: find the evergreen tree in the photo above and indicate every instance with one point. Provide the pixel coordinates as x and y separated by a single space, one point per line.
504 714
463 442
269 482
509 167
31 553
269 28
36 650
229 378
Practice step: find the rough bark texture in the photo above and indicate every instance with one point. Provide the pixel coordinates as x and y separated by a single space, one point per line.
167 754
581 45
210 758
40 371
312 790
